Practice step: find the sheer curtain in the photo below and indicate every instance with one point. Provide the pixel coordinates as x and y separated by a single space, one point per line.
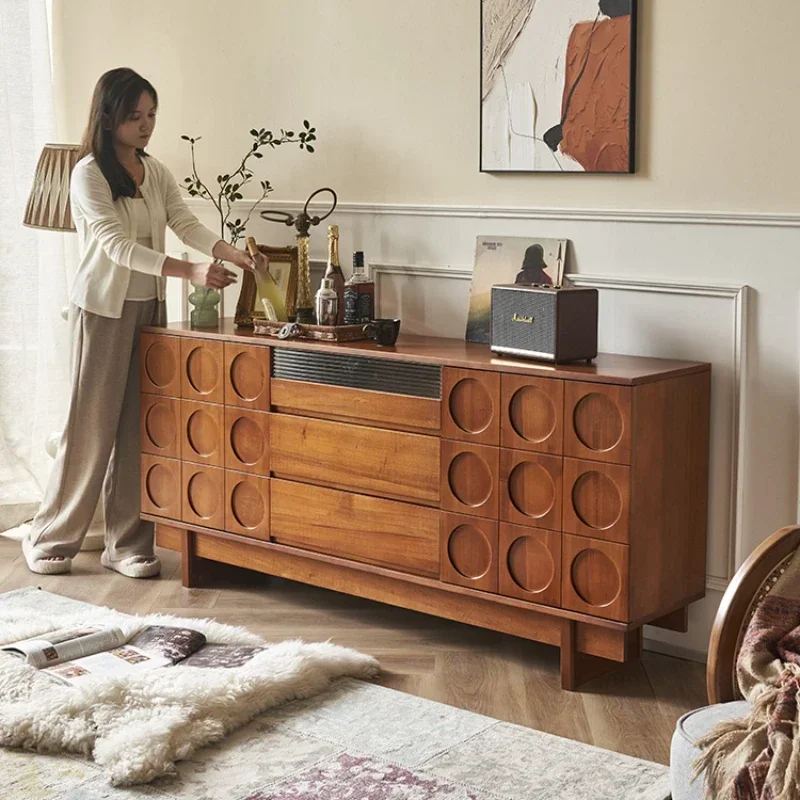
34 342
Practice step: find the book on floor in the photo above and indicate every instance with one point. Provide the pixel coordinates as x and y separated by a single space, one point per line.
74 655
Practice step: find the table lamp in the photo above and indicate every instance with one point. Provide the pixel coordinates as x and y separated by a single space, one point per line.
48 204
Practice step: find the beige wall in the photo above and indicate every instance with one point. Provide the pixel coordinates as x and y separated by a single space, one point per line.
392 86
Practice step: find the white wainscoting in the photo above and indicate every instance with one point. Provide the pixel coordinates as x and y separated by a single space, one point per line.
720 287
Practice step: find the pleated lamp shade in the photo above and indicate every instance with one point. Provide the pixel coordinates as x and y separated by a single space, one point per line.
48 205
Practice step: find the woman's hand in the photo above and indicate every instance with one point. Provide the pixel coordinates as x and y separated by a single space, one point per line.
211 274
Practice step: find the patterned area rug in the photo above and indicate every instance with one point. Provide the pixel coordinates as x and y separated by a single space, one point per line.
359 741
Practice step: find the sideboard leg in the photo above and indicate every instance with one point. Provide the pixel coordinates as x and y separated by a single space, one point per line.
676 621
579 668
191 565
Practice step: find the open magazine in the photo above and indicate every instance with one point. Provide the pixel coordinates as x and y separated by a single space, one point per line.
73 655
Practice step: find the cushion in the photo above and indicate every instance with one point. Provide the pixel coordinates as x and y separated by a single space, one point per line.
689 728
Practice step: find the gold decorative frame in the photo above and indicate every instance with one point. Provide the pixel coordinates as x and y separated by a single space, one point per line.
246 312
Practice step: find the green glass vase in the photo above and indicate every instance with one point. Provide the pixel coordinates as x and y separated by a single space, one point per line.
205 302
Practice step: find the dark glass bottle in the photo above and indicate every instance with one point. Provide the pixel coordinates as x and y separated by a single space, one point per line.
359 294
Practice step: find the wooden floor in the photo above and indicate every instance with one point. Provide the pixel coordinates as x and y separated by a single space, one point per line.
632 711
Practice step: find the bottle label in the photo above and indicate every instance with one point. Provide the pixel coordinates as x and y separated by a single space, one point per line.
351 306
364 307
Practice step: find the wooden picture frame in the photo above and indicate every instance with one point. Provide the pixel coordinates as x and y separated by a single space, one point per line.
284 267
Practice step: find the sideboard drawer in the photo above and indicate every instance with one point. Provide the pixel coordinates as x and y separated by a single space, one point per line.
160 364
203 495
400 411
203 368
530 564
597 422
372 530
353 457
161 486
597 500
161 425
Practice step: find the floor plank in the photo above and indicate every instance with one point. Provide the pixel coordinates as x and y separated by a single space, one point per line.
632 710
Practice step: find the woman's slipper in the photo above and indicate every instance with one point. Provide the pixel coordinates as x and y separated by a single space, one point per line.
133 566
42 564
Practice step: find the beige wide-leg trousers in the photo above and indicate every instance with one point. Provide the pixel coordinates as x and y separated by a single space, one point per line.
99 449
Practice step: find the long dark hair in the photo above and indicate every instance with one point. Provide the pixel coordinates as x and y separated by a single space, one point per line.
115 97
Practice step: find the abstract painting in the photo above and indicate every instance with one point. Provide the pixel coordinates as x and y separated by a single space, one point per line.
509 259
557 85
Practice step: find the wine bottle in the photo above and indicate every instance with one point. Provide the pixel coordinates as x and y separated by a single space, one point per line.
333 271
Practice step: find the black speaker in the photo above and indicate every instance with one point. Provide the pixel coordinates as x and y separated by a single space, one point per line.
544 323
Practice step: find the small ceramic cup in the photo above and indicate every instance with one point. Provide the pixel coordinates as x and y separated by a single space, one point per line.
383 331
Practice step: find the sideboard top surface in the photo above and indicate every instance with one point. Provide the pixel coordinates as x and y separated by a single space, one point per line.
606 368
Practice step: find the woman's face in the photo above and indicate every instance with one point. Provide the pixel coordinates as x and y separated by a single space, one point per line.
137 129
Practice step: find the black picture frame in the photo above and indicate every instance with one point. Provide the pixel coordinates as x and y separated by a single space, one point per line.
632 115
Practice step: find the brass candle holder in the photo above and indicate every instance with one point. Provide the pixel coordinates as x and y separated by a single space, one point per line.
303 223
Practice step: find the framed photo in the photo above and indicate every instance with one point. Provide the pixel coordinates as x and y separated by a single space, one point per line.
558 81
509 259
283 263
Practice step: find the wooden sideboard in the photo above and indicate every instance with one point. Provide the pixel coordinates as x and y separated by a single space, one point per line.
565 505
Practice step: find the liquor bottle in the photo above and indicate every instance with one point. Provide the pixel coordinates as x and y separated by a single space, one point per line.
359 294
334 270
326 303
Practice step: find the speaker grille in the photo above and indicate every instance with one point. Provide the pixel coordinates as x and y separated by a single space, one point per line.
358 372
511 308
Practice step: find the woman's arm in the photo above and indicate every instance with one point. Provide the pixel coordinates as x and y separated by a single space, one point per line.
204 274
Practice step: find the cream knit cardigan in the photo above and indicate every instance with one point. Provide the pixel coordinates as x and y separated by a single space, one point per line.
107 234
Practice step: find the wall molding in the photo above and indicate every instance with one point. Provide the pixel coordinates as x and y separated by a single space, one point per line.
668 217
737 294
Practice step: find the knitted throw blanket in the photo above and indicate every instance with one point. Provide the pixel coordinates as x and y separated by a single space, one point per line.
758 757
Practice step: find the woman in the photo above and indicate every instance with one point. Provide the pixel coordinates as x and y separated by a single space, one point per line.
122 198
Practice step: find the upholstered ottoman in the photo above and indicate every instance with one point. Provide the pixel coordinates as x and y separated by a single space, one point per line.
689 729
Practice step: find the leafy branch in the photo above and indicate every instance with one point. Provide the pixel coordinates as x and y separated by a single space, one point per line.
231 184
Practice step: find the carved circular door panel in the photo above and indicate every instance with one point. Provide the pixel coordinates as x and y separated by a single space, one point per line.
160 425
203 371
471 404
595 577
161 486
469 478
247 441
596 500
532 413
160 358
160 365
203 495
530 564
247 376
247 505
598 422
203 433
469 551
531 489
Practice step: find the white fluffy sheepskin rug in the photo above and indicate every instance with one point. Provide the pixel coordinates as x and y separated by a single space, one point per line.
136 728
